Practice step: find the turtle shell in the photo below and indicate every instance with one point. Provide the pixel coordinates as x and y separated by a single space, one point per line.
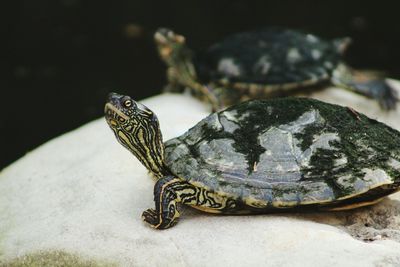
288 152
271 56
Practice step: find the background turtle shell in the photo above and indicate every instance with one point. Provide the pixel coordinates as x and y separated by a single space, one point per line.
270 56
287 152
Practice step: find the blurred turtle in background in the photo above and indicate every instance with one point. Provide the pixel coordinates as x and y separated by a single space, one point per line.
261 64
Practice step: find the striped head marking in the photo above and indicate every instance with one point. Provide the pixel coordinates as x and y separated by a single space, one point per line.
136 128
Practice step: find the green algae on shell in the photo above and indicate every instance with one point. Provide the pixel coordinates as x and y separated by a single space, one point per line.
289 151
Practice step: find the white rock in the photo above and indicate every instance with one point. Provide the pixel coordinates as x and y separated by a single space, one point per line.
78 199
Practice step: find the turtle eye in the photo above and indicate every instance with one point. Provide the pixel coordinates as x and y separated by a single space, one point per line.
128 103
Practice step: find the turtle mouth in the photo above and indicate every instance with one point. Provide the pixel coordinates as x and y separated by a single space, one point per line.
111 112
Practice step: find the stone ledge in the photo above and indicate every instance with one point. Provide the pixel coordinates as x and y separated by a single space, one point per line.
82 194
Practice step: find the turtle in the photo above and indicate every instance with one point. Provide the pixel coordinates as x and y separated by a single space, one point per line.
264 63
261 156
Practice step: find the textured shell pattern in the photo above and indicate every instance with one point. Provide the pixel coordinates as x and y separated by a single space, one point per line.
272 56
289 150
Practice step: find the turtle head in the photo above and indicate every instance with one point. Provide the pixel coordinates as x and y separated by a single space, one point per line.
136 127
172 47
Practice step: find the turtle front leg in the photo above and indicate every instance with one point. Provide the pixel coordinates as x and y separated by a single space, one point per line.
166 214
170 190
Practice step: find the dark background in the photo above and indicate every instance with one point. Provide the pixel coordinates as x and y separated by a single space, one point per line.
62 57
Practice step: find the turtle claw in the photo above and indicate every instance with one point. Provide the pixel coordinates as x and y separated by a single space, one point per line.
154 219
151 217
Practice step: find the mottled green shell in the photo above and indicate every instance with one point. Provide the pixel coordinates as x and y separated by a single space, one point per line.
288 151
271 56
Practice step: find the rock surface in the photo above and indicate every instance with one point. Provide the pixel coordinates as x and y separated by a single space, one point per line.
77 201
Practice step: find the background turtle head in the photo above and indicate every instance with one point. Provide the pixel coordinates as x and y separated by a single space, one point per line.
136 127
169 44
173 50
